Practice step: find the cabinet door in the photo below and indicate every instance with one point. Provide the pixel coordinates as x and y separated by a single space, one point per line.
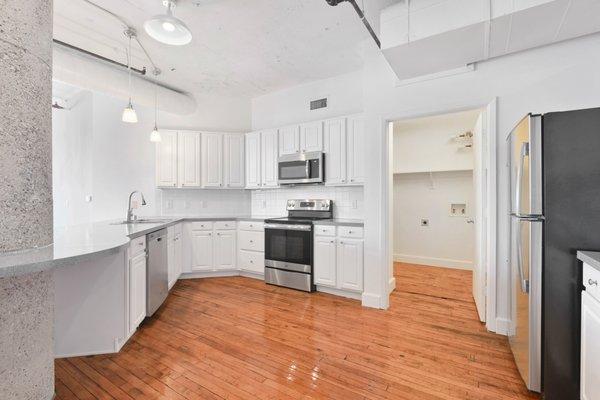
171 256
311 137
269 158
325 261
225 249
137 291
212 160
590 347
233 161
253 165
289 140
350 264
335 151
166 160
178 255
202 250
189 159
356 150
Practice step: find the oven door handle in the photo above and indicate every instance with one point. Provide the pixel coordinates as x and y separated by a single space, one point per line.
289 227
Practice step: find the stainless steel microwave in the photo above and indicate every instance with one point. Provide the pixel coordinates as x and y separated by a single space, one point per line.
301 168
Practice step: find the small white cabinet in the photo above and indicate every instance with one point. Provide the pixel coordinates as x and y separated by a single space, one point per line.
356 150
269 158
189 159
289 140
212 160
325 261
136 284
233 149
253 161
590 334
311 137
335 151
202 250
339 258
174 253
212 246
166 160
225 249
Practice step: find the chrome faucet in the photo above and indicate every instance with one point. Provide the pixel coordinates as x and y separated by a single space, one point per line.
130 216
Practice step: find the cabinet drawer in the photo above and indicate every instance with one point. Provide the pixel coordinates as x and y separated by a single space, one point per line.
252 261
251 226
202 226
137 246
350 231
254 241
591 281
225 225
325 230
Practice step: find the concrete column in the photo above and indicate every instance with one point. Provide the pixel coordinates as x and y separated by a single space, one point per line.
26 302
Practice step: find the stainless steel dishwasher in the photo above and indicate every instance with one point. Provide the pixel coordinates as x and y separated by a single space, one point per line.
157 287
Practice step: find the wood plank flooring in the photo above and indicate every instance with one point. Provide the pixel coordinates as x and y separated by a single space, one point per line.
237 338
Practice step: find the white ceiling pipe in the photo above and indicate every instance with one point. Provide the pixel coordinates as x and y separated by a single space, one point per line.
83 71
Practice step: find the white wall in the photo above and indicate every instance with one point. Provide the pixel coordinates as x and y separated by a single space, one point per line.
429 144
557 77
348 202
97 154
447 241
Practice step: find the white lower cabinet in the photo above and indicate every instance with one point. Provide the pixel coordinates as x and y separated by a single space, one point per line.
590 332
225 249
338 258
213 246
174 253
137 290
251 249
202 250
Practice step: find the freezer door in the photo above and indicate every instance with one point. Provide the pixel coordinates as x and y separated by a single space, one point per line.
526 167
525 332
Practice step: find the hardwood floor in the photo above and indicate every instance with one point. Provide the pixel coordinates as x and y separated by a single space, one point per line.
237 338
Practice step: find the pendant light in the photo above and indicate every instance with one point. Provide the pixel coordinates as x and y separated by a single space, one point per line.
129 114
167 29
155 135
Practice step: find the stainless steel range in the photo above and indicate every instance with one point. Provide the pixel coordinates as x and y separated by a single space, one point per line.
289 244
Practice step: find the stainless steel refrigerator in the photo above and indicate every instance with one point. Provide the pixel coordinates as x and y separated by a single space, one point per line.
555 211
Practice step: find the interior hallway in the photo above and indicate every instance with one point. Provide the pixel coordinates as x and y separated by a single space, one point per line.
238 338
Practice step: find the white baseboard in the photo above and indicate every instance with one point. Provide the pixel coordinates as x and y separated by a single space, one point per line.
371 300
502 326
338 292
253 275
434 262
210 274
392 285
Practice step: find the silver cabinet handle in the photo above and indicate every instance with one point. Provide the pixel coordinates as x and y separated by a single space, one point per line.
252 241
341 242
592 283
251 262
350 232
218 234
333 241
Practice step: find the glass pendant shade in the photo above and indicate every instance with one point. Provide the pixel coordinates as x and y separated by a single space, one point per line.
155 135
129 114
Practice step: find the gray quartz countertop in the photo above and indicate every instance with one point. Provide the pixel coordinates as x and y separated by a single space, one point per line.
591 258
342 222
83 242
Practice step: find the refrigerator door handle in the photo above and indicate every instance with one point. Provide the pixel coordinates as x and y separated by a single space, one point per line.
524 282
524 153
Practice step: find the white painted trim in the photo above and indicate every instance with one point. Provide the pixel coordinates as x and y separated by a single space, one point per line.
434 262
436 75
392 285
338 292
492 217
371 300
253 275
210 274
502 326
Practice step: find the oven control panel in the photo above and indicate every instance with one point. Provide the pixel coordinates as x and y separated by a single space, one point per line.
309 205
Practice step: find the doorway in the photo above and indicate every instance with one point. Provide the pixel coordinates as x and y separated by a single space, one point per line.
441 179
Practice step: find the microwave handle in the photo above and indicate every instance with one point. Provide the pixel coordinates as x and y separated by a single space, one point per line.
307 169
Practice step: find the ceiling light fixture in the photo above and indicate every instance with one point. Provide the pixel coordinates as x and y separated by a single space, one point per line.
167 29
155 135
129 114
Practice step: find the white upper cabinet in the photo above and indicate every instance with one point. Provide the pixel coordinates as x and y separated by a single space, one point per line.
335 151
233 151
189 159
289 140
212 160
356 150
311 137
166 160
253 164
269 158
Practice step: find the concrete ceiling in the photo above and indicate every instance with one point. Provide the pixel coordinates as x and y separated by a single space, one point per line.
240 47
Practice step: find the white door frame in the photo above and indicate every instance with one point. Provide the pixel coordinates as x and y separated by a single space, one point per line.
492 167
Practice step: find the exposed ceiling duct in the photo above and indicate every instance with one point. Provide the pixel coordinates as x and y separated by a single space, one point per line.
78 69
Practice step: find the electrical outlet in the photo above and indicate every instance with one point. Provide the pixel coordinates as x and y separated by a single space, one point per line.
424 222
458 210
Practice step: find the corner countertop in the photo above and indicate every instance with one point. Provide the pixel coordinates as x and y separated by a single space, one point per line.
83 242
342 222
591 258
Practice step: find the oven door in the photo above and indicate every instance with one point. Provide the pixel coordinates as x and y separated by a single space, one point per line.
301 168
289 246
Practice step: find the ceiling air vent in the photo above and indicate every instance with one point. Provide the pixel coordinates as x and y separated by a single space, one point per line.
316 104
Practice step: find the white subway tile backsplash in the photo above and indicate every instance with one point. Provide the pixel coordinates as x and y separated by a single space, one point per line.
203 202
